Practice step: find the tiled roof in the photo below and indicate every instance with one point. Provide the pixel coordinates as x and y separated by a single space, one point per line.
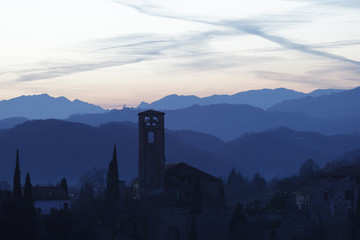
185 169
170 165
49 193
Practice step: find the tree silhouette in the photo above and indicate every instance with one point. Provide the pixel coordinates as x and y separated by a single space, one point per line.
16 183
231 177
28 189
112 184
18 220
258 182
63 185
308 168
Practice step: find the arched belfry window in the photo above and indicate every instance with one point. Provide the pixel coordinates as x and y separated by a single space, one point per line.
151 121
151 137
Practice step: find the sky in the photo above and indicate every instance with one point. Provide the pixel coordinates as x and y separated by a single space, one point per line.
116 52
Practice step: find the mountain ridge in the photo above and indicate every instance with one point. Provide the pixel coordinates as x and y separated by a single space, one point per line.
52 149
229 122
43 106
337 105
262 98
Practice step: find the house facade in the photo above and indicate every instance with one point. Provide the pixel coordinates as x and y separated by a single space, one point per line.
50 198
337 196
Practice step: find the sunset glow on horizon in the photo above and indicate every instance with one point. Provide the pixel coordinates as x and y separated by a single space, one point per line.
116 52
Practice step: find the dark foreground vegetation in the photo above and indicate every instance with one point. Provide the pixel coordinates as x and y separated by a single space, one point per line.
104 208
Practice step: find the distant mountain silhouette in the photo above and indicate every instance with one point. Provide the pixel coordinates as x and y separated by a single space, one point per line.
52 149
282 151
321 92
44 106
337 105
263 98
228 122
12 122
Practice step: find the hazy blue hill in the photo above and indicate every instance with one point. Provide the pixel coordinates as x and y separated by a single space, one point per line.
172 102
263 98
337 105
44 106
228 121
277 152
320 92
52 149
282 151
231 121
96 119
200 140
11 122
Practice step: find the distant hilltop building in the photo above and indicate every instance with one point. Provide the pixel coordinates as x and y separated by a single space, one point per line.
175 197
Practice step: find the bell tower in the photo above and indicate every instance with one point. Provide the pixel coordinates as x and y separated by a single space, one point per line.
151 152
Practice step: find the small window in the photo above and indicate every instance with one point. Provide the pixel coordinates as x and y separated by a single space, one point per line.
326 196
151 137
66 206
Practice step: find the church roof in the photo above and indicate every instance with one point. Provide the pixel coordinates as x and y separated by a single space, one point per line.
151 112
49 193
185 169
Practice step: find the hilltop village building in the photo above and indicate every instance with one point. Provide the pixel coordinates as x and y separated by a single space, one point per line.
168 193
336 197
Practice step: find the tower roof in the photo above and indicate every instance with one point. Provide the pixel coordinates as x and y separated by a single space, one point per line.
151 112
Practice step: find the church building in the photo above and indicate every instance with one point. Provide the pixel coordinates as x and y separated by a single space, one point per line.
174 195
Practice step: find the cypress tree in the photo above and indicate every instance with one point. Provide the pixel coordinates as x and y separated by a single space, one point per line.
16 182
28 189
63 185
193 230
112 184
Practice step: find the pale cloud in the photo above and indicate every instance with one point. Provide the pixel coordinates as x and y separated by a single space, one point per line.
247 26
273 41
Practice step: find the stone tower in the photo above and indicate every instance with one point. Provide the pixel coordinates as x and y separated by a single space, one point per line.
151 152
